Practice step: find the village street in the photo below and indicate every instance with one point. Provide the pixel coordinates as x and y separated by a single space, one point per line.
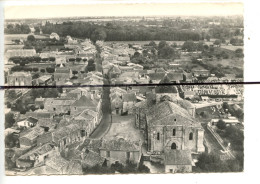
105 123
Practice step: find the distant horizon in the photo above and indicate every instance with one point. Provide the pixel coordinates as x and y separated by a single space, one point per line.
140 16
123 10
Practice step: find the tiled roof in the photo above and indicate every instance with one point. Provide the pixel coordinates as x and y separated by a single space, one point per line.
85 101
38 151
156 76
87 114
91 144
175 76
169 113
129 97
178 157
120 145
57 162
20 74
32 120
64 131
34 133
185 104
117 89
92 158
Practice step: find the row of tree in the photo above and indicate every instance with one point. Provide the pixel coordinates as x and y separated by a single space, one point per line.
118 32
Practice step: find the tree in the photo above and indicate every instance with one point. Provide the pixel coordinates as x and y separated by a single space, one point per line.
153 44
52 59
30 38
221 125
78 59
36 76
166 52
42 70
50 69
211 163
9 120
35 69
98 34
162 44
189 46
208 38
11 94
217 42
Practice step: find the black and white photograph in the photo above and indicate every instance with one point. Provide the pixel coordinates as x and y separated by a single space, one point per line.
101 89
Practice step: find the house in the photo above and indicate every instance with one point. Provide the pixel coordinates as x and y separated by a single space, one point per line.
189 94
63 166
40 114
175 77
121 150
62 74
67 135
77 93
88 119
58 105
200 73
171 127
27 123
178 161
129 100
116 103
19 79
155 78
45 80
21 53
29 137
187 77
37 155
54 36
85 102
114 71
39 102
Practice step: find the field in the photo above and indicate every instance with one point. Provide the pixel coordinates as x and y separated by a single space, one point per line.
235 62
231 47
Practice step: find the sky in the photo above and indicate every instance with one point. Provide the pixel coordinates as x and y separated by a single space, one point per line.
78 10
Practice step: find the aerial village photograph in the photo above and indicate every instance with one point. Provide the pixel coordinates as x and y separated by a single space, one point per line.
94 91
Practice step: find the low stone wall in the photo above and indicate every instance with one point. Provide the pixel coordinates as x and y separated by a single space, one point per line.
219 140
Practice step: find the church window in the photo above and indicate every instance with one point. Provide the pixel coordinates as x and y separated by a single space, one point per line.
173 146
158 136
174 132
191 136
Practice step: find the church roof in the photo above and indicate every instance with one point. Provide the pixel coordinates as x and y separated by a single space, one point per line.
169 113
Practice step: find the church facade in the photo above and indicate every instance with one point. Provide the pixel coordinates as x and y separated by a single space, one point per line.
170 127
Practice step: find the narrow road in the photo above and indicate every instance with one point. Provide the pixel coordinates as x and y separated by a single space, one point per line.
214 146
105 123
